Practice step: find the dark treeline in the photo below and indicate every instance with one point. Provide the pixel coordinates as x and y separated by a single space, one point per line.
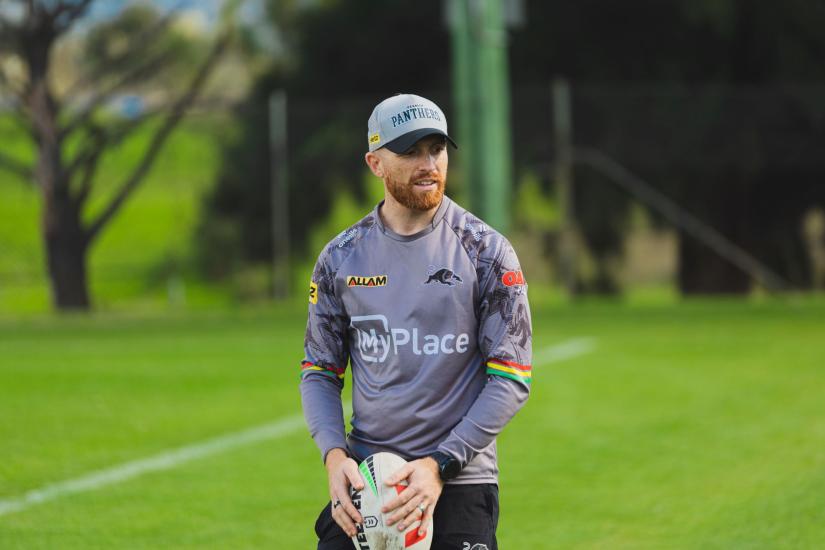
716 102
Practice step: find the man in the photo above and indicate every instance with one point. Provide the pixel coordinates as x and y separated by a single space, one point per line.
429 307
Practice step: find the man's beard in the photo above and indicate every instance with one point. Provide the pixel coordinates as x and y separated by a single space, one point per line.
406 194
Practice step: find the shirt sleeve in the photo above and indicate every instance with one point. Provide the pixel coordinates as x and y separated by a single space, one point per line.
505 345
505 330
326 355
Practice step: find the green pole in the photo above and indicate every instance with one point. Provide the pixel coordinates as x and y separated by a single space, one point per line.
279 193
563 175
482 98
496 108
465 102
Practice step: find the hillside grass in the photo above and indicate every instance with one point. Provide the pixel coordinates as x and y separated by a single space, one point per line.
151 237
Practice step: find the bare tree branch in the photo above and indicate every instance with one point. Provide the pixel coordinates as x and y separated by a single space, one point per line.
100 138
16 167
115 134
118 133
160 137
89 171
24 124
133 49
69 9
101 97
23 118
93 144
65 14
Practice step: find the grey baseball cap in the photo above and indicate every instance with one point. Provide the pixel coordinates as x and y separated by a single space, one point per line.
399 121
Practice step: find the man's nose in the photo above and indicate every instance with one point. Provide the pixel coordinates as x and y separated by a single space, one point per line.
429 163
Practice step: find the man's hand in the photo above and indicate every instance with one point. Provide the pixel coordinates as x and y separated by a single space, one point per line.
342 472
418 500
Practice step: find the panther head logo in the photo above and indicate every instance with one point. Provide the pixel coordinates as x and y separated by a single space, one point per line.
443 275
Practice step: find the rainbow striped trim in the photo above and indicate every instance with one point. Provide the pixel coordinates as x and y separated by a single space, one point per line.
511 370
328 370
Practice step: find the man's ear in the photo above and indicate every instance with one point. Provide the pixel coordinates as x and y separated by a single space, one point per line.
374 162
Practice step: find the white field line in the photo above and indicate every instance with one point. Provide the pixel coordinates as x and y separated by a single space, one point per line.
163 461
568 349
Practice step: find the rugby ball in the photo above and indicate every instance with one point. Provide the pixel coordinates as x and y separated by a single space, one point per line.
374 533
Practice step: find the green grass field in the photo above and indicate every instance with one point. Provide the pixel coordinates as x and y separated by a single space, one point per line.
698 425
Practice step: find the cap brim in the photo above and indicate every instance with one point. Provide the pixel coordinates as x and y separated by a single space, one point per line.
402 143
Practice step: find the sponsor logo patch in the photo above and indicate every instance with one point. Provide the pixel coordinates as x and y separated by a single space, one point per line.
375 138
367 280
313 292
513 278
442 275
475 231
346 236
376 340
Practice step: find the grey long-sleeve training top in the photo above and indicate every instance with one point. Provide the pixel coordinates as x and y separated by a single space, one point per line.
436 328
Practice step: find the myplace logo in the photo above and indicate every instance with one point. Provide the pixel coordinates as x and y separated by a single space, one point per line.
376 340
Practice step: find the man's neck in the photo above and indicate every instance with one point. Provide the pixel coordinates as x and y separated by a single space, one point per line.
405 221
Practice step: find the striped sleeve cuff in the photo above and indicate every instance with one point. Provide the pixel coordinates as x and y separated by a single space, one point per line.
332 371
510 369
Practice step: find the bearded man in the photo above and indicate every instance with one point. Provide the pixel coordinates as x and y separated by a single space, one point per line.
428 306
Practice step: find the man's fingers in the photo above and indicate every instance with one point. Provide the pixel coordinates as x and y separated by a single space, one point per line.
402 473
408 509
343 520
350 510
354 477
426 520
399 501
343 474
344 513
412 513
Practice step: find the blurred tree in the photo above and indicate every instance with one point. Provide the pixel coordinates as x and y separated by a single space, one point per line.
726 130
336 59
71 129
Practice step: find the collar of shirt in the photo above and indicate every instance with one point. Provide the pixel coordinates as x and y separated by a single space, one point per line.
439 215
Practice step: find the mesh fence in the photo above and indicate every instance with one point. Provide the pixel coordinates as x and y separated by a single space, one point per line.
746 160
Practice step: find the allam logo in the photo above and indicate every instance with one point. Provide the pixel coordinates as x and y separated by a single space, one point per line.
367 280
375 340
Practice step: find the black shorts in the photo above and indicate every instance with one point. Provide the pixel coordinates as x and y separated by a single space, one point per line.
466 518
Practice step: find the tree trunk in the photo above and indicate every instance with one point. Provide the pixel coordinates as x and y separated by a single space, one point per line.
703 271
66 246
66 242
724 203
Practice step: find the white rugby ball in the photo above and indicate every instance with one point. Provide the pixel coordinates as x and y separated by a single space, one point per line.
375 534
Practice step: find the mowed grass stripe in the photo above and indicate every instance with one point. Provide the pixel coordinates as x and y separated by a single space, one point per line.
163 461
177 457
569 349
